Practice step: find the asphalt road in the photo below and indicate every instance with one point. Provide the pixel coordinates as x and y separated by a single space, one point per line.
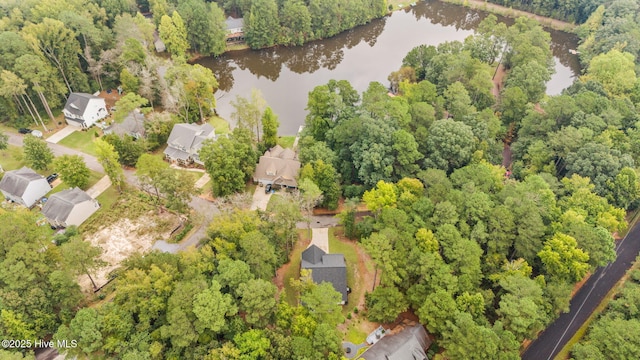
553 339
58 150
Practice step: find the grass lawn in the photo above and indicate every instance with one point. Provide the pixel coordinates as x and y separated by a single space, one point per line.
12 158
286 141
272 201
82 140
94 177
355 334
240 46
221 125
351 257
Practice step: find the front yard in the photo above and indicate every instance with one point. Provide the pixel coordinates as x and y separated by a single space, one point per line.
82 141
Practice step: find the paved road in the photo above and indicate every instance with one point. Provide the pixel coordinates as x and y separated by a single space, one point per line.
553 339
58 150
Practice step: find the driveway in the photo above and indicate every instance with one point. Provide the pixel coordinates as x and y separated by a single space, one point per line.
320 238
553 339
101 186
260 199
61 134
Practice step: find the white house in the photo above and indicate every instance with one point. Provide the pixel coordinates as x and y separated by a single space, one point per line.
24 186
69 207
84 110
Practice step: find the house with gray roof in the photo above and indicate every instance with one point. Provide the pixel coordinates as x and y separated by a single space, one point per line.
24 186
84 110
235 29
408 341
185 142
279 167
132 125
69 207
326 268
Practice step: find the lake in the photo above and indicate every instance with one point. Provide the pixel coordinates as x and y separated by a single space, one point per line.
286 75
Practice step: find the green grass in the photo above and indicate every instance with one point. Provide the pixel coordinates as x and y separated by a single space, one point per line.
82 140
351 256
94 177
221 125
12 158
272 201
240 46
355 335
286 141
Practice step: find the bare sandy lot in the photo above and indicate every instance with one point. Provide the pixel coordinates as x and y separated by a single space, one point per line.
123 239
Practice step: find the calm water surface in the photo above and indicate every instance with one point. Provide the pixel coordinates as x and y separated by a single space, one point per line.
368 53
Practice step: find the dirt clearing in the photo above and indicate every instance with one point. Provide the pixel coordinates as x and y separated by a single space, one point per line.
124 238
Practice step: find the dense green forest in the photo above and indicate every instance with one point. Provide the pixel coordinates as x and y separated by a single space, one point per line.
294 22
485 256
572 11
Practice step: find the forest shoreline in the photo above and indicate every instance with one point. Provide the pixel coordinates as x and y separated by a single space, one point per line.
514 13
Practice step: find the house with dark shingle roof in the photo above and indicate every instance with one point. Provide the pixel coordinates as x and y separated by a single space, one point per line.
406 342
84 110
185 142
326 268
278 166
24 186
69 207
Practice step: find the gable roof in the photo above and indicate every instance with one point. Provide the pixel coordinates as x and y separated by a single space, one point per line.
326 268
77 103
411 342
15 182
234 23
189 136
59 205
132 124
313 255
281 166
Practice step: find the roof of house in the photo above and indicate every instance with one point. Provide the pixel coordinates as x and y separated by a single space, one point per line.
189 137
326 267
411 342
15 182
77 103
234 23
279 165
59 205
132 124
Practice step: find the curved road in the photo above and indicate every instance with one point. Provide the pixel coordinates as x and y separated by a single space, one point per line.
553 339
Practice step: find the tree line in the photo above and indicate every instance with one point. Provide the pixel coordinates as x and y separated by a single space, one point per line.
295 22
614 333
